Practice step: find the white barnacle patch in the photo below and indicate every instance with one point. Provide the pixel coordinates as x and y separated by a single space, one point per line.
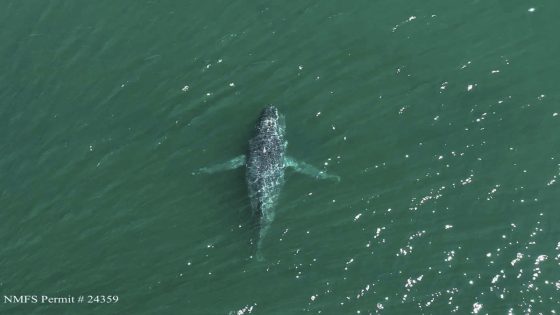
270 123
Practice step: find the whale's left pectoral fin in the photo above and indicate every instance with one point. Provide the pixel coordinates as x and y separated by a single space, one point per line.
307 169
234 163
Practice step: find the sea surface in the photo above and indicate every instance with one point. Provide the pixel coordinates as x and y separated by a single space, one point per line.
442 119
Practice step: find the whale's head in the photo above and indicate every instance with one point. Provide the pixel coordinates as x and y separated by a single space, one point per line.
271 121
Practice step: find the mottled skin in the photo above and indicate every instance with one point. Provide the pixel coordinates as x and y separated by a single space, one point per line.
265 165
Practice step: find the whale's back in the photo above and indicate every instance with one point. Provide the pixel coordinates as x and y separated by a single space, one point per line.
265 163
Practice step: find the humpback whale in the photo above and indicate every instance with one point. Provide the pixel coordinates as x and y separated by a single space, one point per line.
265 163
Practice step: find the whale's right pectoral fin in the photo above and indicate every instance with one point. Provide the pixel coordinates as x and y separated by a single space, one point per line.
234 163
308 169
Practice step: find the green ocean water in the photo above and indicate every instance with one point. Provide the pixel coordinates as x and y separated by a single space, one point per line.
441 118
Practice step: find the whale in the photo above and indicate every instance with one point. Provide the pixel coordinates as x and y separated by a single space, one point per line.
265 164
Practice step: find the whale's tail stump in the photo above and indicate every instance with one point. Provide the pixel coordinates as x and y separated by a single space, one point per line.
262 233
